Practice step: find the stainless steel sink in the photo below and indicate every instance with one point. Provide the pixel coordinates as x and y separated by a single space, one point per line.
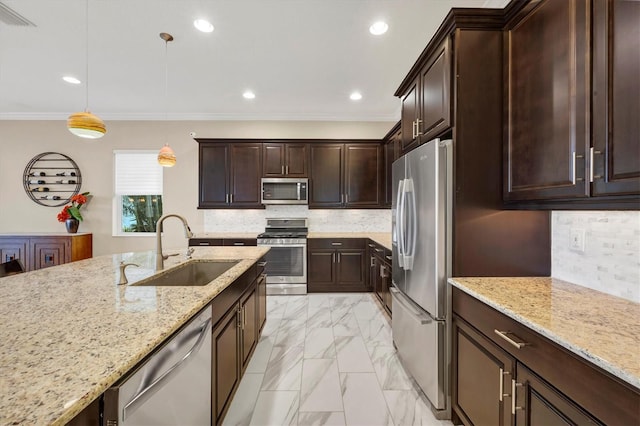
193 273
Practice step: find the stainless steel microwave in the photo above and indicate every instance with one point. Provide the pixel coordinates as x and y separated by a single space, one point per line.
285 191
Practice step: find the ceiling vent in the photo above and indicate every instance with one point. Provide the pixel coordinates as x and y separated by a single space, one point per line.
11 17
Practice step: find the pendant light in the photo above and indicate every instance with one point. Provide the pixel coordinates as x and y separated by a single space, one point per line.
166 156
85 124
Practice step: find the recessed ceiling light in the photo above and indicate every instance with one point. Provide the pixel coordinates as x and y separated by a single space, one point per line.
203 25
249 94
378 28
355 96
71 80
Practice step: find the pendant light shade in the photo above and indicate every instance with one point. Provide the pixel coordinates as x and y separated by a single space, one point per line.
86 125
166 156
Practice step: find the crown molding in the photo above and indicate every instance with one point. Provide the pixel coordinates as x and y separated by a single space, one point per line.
8 116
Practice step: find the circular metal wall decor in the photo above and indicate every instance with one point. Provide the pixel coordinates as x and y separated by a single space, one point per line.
51 179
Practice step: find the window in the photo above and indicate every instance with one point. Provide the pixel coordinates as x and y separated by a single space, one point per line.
137 204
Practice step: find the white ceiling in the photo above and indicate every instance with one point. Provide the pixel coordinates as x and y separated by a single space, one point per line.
302 58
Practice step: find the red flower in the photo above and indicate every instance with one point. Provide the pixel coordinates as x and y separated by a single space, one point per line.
73 211
64 214
79 199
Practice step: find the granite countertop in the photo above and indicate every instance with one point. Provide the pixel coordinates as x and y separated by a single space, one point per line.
69 332
382 238
227 235
600 328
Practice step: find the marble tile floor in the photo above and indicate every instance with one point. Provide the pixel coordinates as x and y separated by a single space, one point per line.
327 359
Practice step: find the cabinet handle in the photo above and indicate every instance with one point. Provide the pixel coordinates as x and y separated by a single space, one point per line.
333 257
573 168
282 169
371 245
373 261
286 170
336 244
338 257
591 164
514 386
239 318
379 250
389 258
413 129
502 374
238 244
244 316
503 334
383 271
418 132
230 198
593 176
346 198
262 264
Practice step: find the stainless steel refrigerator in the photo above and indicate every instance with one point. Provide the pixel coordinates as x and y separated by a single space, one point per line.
421 242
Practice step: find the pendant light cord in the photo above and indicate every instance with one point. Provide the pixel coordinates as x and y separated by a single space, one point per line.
166 81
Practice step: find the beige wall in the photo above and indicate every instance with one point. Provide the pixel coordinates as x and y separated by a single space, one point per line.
22 140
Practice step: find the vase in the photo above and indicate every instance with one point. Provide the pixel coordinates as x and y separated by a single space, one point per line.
72 225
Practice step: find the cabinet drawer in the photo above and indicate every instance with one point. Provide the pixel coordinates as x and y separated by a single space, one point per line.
581 381
336 243
205 242
239 242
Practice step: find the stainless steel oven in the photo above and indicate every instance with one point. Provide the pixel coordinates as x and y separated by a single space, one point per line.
286 267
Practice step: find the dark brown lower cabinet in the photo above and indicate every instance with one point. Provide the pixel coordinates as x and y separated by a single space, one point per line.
235 336
380 273
539 404
248 323
234 339
262 302
42 251
482 377
336 265
539 383
225 359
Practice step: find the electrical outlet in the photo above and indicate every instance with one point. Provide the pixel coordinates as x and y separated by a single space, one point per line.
577 240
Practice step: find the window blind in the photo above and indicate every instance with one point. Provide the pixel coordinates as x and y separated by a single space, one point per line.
137 173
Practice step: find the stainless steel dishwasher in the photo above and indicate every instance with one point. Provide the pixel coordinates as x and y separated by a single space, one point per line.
173 387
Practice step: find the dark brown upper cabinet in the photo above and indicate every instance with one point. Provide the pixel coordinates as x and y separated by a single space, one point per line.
572 133
547 102
616 98
345 175
426 108
391 147
284 160
229 175
469 46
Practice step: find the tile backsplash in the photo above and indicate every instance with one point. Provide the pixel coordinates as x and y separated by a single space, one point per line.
611 259
335 220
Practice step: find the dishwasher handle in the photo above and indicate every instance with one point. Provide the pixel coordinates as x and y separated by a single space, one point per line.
146 392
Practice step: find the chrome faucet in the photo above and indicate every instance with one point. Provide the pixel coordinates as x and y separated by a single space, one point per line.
160 258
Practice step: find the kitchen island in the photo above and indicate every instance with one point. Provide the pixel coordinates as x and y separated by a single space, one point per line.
69 332
556 346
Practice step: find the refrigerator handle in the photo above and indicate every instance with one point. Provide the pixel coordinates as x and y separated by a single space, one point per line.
400 223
